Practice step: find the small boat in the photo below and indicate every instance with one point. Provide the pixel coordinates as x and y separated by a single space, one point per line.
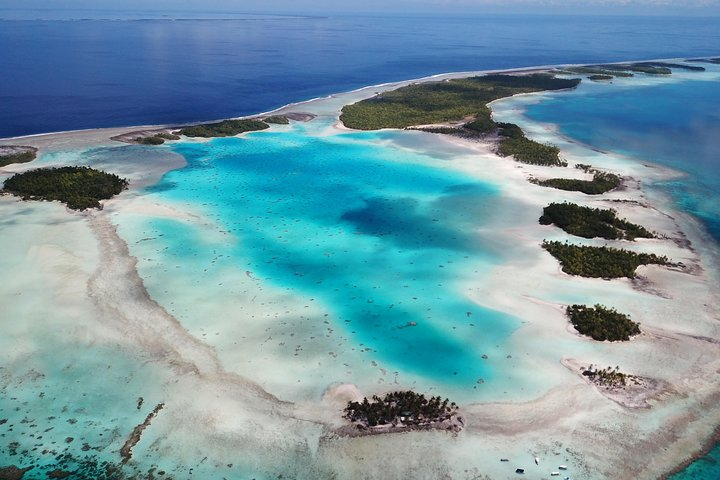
520 470
537 461
554 474
562 467
504 459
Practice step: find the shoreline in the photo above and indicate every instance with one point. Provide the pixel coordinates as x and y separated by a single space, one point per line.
384 85
502 171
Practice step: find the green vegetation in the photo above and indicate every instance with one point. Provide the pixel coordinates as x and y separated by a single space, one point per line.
609 377
406 408
439 102
168 136
600 262
594 71
637 67
15 154
602 323
680 66
591 222
442 130
157 139
277 119
226 128
483 122
524 150
600 77
602 182
154 140
78 187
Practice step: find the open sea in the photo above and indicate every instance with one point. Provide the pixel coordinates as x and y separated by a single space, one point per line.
125 69
330 218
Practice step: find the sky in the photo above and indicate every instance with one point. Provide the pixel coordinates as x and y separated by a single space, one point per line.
331 7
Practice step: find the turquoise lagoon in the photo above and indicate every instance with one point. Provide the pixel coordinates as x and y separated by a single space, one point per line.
374 241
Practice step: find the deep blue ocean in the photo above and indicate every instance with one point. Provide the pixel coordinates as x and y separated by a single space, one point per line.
137 70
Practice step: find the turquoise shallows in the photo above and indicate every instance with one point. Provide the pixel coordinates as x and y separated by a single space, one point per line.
375 234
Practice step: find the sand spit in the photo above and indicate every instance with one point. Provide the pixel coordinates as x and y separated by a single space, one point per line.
633 395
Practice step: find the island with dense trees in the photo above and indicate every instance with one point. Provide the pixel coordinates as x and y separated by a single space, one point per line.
225 128
445 101
589 70
589 222
514 143
454 101
16 154
157 139
600 262
647 68
602 182
277 119
402 411
77 187
602 323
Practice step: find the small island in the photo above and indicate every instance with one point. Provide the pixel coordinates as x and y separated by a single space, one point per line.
277 120
589 222
77 187
226 128
401 411
157 139
602 323
16 154
602 182
648 68
600 262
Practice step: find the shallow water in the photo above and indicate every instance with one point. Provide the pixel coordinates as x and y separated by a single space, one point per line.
375 240
675 123
672 122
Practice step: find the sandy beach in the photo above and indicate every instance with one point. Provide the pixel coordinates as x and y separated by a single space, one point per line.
229 392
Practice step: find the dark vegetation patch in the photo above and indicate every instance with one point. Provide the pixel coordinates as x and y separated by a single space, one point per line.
407 408
602 323
594 71
16 154
600 262
446 101
589 222
646 68
277 119
157 139
602 182
679 66
225 128
600 77
514 143
77 187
